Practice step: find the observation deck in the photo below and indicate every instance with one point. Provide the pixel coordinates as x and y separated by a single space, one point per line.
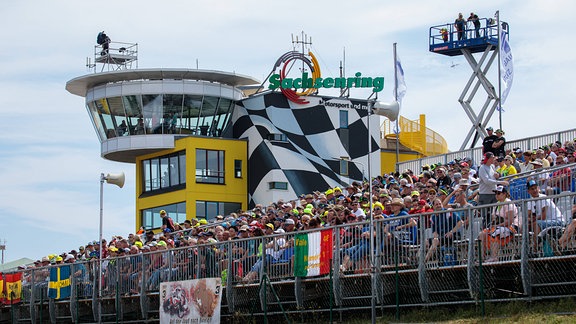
141 111
446 40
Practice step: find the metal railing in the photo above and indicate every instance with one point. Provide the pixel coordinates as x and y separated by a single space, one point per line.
434 259
416 136
529 143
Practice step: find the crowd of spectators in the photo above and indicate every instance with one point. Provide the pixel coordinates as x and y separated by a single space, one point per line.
435 189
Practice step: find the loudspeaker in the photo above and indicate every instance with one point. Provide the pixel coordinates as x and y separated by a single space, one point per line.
117 179
389 110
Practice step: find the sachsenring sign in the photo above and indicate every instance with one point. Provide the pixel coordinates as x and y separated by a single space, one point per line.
310 83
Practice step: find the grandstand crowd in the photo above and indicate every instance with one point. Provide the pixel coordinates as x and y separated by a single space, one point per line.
433 189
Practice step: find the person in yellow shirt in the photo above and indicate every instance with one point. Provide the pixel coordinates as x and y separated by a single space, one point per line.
506 167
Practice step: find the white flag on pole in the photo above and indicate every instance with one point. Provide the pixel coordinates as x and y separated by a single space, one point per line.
506 66
400 91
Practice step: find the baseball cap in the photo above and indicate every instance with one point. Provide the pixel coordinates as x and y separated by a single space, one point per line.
244 228
500 189
537 162
270 226
278 231
162 212
289 221
490 128
531 183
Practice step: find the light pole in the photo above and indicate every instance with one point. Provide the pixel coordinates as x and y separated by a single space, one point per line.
117 179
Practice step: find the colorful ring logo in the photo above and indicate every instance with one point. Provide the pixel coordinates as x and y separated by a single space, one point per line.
312 63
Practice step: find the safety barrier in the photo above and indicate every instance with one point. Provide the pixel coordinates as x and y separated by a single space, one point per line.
552 180
492 252
529 143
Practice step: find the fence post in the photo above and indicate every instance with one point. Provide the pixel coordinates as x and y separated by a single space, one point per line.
481 278
421 264
524 265
230 277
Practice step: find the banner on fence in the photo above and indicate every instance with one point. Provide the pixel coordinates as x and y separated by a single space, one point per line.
12 287
1 289
59 284
191 301
312 253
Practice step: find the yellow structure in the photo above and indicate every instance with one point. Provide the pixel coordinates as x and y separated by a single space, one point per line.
226 197
416 141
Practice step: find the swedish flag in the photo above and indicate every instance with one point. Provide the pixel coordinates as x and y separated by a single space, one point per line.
59 284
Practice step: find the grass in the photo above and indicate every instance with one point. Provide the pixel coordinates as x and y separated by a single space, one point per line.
558 311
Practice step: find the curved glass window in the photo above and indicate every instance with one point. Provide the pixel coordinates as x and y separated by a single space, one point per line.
160 114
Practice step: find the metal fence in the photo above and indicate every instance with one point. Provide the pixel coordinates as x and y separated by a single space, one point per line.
475 154
492 252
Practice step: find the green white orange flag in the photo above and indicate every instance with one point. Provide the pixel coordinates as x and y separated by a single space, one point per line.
312 253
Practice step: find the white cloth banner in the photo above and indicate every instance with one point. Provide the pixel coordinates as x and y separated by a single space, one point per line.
506 66
401 84
191 301
400 91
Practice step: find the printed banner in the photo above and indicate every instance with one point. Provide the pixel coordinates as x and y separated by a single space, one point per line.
506 66
1 289
13 288
191 301
313 253
59 284
400 91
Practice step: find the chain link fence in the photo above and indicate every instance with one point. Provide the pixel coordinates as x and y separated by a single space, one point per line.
449 256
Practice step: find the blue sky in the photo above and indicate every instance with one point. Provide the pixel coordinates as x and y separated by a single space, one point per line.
50 156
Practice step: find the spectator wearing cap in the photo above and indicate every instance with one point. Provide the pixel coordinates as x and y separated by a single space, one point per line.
503 226
541 176
442 178
149 237
456 177
499 144
540 154
356 210
289 225
506 167
81 253
167 223
329 196
488 180
542 213
561 179
445 228
571 158
402 229
487 143
273 251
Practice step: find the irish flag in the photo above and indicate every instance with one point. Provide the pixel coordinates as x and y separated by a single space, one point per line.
313 253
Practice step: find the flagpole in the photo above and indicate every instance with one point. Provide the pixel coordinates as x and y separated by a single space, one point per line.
499 70
397 130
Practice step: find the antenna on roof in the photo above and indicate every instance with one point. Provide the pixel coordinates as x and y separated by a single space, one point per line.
304 41
3 248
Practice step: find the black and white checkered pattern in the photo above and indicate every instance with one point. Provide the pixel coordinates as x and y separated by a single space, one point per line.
309 159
